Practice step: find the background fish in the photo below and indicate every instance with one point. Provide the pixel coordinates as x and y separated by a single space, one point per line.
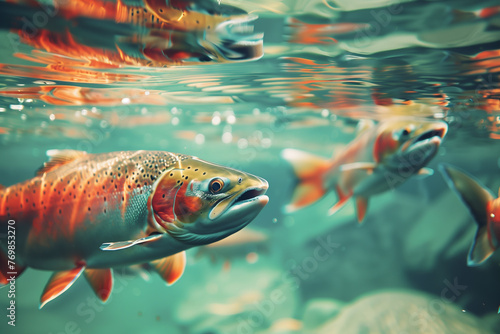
90 212
381 158
483 207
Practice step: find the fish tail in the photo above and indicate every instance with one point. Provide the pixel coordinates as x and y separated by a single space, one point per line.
477 198
309 170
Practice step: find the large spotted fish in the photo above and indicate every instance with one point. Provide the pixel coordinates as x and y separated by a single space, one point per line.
86 213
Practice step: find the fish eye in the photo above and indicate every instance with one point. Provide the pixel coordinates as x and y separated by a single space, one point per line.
402 134
216 185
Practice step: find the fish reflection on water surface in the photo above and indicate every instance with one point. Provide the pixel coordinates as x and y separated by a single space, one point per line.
142 33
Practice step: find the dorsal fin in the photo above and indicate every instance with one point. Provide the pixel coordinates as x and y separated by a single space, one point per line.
171 267
59 158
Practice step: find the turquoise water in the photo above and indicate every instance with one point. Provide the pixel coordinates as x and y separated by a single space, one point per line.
235 83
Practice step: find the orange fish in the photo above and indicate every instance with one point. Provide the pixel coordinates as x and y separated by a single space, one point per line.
381 158
483 207
86 213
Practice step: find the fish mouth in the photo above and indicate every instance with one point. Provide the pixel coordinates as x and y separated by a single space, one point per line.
441 132
432 137
240 211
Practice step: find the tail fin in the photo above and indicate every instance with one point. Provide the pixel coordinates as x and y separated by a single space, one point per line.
308 168
476 198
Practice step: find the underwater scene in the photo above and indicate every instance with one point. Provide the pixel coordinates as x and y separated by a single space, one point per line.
250 166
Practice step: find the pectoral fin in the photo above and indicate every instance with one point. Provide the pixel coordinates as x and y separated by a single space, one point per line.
424 173
171 267
112 246
101 281
58 283
366 166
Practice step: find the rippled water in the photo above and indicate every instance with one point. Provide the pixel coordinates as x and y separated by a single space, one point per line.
235 82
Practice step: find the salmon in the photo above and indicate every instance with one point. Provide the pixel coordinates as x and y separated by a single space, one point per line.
87 213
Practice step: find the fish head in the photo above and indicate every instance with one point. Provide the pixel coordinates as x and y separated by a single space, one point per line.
408 144
198 202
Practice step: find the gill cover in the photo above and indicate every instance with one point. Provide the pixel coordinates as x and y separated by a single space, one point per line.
169 203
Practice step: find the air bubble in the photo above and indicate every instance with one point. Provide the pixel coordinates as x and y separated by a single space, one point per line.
52 117
242 143
126 100
227 137
266 142
216 118
199 139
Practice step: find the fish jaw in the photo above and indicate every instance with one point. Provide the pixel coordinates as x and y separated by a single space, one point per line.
236 217
416 149
194 213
